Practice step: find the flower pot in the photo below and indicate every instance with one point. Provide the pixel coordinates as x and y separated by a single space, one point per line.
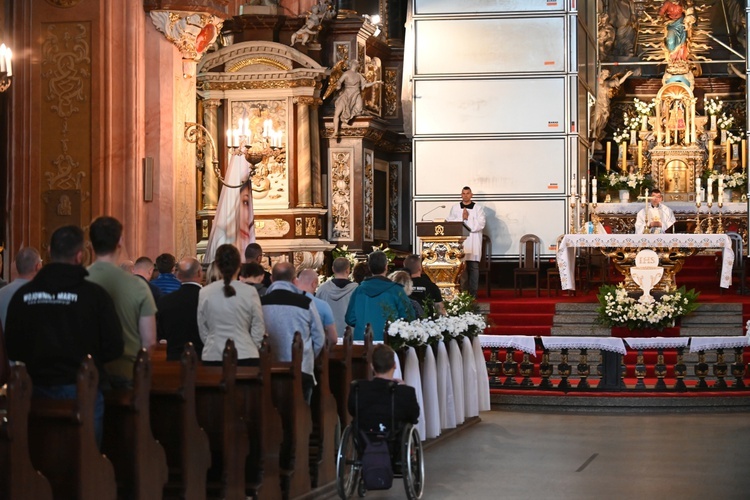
644 123
624 195
723 136
632 137
728 195
713 122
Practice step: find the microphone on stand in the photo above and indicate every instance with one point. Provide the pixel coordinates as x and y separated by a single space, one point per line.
429 212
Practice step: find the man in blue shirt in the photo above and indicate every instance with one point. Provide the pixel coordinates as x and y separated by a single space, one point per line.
307 281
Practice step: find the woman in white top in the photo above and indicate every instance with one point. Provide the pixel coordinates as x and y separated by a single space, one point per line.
230 309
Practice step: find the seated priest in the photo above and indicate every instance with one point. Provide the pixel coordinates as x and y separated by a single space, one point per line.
656 217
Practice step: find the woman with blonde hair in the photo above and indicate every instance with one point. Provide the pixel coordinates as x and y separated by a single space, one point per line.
229 309
404 279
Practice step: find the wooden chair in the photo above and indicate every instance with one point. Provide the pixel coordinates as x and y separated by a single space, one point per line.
485 263
528 261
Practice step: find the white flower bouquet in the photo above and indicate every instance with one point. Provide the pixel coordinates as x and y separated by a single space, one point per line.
713 107
643 108
621 137
725 122
617 308
733 180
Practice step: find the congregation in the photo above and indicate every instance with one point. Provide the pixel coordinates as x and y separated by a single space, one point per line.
54 315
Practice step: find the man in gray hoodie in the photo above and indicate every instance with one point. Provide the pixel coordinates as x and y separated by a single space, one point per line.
337 292
286 309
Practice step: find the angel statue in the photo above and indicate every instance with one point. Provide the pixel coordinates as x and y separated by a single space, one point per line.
319 12
348 86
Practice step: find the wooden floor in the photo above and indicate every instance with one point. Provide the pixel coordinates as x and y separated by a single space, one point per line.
515 455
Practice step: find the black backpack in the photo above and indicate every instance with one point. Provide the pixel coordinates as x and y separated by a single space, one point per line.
377 473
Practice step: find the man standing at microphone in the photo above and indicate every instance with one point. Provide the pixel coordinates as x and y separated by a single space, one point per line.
472 215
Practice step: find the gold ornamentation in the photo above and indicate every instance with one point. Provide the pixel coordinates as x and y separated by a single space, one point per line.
393 212
64 3
310 226
67 58
298 226
257 60
191 32
439 230
271 228
368 193
309 101
259 84
341 209
390 86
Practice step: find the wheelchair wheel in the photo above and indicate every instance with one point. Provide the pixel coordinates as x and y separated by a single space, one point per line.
412 463
347 465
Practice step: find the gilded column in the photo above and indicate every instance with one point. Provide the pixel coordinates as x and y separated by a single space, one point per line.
304 165
210 181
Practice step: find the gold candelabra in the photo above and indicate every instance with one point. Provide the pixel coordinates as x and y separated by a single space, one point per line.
720 224
709 217
6 67
697 214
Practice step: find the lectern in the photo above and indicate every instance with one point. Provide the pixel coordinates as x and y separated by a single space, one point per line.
443 253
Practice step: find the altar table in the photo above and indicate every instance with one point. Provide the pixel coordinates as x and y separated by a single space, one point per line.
569 243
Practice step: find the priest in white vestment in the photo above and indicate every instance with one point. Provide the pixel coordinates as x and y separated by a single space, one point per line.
656 217
472 215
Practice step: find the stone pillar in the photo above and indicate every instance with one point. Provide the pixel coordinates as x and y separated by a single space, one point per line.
304 166
317 170
210 181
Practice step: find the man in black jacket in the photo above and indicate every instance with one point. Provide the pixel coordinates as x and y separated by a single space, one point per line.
177 317
372 398
59 318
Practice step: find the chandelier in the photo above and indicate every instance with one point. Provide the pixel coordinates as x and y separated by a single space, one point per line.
259 146
6 68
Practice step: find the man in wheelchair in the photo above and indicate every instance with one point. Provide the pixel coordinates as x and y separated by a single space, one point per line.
382 435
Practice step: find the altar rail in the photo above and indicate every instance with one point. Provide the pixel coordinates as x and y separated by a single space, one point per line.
719 364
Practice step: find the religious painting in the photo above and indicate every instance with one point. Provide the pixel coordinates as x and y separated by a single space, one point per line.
676 177
265 123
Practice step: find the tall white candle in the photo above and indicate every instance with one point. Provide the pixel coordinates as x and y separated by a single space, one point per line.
593 190
3 48
8 61
697 184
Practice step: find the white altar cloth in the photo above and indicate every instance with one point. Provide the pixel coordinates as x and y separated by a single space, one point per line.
710 343
612 344
524 343
566 251
656 342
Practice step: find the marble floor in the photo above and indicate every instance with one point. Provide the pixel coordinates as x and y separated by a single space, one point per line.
514 455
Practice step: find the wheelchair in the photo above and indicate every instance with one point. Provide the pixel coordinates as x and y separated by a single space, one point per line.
407 459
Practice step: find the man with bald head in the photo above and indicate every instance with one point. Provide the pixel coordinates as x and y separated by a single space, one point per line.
286 309
177 318
307 281
28 263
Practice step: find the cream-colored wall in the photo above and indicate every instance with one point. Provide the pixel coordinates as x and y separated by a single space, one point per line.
493 101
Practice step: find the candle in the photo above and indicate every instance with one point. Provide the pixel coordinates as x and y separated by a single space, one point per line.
721 196
709 187
698 197
3 48
640 155
721 184
710 200
8 67
624 157
236 142
744 154
583 190
593 190
698 185
729 156
609 155
710 155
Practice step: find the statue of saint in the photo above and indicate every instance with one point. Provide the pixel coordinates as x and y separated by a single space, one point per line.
348 102
606 86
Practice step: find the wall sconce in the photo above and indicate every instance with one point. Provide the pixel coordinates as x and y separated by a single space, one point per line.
257 147
6 67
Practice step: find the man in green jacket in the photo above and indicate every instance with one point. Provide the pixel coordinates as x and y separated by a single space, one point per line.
377 300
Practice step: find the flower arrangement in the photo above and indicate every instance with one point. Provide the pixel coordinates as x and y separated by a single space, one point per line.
725 122
712 106
643 108
387 251
733 180
617 308
633 182
621 137
343 251
734 139
631 122
461 321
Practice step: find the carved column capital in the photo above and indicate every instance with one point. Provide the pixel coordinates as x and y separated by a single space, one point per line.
309 101
191 32
211 103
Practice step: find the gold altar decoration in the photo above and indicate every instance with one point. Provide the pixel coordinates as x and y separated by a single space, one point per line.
443 253
670 259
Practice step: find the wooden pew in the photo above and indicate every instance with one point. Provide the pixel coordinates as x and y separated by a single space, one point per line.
286 379
4 364
63 445
263 426
139 460
175 425
217 406
325 418
340 375
18 477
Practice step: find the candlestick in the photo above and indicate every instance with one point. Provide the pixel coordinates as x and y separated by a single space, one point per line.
609 155
698 186
593 190
709 184
744 154
583 188
711 155
624 149
640 155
